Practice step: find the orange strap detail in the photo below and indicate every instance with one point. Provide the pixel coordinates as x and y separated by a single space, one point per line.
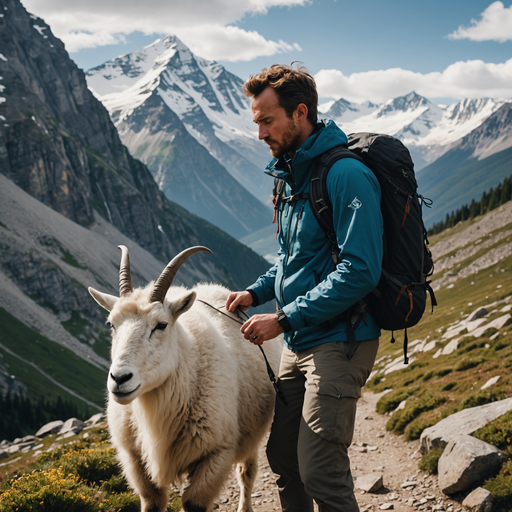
411 302
404 287
412 305
406 213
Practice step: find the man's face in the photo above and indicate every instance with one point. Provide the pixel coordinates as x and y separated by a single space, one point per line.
278 130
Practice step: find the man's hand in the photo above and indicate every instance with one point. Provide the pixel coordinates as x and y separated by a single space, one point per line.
260 328
242 300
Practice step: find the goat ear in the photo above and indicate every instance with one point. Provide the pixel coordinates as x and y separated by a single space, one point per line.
182 305
103 299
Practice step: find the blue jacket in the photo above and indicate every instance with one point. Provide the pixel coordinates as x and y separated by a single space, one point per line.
305 250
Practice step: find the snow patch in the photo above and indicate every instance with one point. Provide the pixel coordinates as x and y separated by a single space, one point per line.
3 58
40 30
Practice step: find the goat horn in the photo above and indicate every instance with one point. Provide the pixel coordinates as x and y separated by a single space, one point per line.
125 276
164 282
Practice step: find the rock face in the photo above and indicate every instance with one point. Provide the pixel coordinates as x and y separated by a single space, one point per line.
463 422
465 462
57 142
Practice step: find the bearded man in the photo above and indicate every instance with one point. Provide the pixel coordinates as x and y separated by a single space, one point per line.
321 373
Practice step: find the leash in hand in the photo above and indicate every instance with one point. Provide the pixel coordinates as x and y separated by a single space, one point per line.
269 368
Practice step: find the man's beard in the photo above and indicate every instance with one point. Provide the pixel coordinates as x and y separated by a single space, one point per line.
290 141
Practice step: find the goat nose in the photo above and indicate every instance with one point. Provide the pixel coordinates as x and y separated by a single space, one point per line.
121 379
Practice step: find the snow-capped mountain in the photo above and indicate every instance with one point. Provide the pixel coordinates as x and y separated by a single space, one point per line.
427 129
203 94
472 165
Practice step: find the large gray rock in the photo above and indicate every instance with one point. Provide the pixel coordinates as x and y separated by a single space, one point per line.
50 428
72 425
467 461
463 422
480 500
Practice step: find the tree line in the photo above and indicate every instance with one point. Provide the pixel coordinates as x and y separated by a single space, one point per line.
490 200
19 416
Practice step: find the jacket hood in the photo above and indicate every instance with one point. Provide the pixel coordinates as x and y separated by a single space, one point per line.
326 136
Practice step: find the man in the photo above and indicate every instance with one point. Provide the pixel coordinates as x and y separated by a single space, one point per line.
321 373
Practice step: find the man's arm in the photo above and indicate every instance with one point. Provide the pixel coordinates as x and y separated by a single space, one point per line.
357 220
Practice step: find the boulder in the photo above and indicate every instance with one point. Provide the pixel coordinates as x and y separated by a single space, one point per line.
477 313
95 419
72 425
462 422
369 483
498 324
50 428
3 454
480 500
467 461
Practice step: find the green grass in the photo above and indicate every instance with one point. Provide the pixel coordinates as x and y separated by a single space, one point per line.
80 477
501 488
436 388
66 256
57 361
430 460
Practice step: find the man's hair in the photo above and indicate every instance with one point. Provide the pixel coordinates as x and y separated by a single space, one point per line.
293 85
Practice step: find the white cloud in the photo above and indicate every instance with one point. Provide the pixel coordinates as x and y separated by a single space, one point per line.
470 79
230 43
495 25
203 25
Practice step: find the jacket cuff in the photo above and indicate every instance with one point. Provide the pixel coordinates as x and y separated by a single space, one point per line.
255 299
293 315
283 321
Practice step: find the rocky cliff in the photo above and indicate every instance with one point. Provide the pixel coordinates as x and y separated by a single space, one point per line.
58 143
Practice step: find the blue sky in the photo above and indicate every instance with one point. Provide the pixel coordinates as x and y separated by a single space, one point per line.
369 49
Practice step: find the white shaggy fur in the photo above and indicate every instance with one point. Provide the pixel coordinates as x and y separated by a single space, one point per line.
186 401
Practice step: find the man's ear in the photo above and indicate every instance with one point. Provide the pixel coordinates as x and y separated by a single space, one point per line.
103 299
182 305
301 113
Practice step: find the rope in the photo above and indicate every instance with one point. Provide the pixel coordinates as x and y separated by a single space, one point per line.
270 372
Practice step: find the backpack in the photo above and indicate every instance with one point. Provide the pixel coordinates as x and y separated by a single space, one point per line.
399 300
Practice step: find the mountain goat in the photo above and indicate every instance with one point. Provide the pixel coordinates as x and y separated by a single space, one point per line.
188 395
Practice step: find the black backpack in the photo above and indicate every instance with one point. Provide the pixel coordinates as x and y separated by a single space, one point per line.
399 300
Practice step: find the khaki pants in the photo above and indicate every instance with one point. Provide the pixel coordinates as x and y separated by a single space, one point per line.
310 437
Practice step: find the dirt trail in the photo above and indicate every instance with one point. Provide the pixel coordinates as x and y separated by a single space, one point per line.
373 450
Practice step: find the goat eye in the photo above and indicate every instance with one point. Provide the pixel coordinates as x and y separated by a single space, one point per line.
161 327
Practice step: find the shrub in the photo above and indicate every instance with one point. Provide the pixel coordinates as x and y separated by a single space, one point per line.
91 466
498 433
481 398
430 460
416 428
390 401
448 386
501 488
412 410
48 490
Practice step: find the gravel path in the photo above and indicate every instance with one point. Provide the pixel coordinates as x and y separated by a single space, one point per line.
374 450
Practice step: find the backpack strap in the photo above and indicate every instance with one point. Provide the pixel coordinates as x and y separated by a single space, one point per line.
318 196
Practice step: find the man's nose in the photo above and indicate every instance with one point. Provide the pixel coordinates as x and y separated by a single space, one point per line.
262 132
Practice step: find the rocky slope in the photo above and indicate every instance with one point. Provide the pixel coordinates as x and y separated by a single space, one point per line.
70 192
58 143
